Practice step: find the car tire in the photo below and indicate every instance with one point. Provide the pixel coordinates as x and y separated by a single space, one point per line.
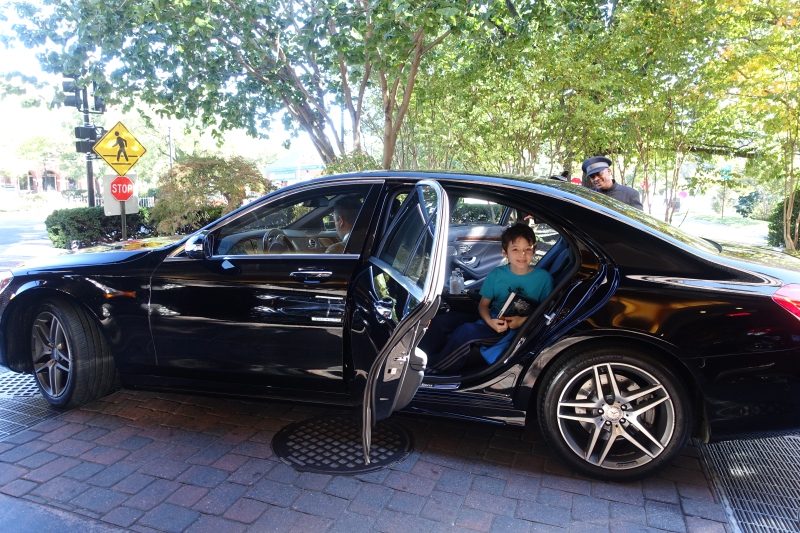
621 435
71 360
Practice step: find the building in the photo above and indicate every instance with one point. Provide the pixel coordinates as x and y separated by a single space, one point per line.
293 168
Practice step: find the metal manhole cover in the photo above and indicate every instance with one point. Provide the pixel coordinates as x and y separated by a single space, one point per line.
14 385
332 445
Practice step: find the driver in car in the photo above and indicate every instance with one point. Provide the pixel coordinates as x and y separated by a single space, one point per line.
518 276
345 211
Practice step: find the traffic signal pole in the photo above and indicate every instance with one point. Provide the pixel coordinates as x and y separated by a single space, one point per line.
89 166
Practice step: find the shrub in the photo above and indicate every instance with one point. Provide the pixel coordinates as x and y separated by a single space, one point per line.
775 220
89 226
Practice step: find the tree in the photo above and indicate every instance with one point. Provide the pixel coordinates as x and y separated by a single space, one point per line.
196 182
237 63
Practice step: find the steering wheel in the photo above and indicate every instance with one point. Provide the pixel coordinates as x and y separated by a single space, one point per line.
278 241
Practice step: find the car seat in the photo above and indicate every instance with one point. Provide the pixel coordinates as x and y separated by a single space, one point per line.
557 261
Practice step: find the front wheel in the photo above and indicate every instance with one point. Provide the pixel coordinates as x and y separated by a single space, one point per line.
614 413
71 360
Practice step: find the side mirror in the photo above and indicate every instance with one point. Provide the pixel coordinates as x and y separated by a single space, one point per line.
197 247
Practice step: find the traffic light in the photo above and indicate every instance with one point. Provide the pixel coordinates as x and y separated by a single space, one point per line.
87 137
72 96
99 105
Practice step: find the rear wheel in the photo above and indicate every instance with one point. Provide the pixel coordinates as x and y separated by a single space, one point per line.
71 360
614 413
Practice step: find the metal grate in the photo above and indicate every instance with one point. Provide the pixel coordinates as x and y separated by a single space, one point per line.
332 445
759 481
13 385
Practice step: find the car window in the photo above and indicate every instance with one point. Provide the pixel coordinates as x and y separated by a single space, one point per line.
475 212
304 222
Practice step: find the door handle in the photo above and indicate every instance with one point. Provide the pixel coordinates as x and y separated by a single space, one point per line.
468 260
312 276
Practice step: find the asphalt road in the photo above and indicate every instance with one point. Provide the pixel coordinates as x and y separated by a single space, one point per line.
22 237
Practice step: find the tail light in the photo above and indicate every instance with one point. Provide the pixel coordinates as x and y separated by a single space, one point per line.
788 297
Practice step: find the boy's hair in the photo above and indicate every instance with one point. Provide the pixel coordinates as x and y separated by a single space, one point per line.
512 233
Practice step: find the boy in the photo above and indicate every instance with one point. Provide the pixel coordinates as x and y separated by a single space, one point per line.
519 245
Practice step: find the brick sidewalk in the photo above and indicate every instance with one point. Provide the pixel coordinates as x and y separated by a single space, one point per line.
147 461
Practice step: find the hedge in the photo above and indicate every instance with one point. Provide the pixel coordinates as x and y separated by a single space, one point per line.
89 226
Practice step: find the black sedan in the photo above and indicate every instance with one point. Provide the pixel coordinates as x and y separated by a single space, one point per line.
648 338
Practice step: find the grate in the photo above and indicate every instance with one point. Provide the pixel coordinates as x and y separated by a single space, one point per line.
13 385
332 445
760 481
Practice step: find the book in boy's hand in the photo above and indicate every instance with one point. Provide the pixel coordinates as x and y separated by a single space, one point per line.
517 305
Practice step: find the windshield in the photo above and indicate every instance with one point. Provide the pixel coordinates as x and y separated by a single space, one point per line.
637 215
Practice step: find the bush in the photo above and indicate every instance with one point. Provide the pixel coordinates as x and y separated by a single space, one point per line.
89 226
775 220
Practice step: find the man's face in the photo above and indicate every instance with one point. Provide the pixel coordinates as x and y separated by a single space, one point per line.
602 180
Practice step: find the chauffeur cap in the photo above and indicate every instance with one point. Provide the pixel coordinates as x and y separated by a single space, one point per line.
593 165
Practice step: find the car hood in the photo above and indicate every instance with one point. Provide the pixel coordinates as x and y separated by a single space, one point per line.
106 254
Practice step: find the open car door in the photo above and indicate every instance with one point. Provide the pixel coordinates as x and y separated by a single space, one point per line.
400 292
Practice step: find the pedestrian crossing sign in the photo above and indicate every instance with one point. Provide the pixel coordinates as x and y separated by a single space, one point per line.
120 149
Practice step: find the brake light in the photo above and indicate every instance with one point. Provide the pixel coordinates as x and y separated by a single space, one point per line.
788 297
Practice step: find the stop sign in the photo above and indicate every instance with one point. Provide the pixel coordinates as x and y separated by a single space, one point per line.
121 188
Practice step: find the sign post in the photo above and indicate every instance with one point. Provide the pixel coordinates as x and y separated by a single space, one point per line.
120 149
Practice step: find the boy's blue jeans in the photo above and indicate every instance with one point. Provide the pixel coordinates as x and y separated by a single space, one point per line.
464 333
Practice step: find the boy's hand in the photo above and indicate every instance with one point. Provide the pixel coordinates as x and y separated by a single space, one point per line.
499 325
514 322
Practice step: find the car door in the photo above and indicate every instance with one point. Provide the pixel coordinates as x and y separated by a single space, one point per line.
476 226
395 296
243 312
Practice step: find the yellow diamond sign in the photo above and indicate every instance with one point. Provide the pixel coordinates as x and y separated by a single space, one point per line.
120 149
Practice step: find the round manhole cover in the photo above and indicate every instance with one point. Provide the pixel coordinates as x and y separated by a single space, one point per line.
332 445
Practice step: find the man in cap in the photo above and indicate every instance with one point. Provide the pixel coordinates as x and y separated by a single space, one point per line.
598 170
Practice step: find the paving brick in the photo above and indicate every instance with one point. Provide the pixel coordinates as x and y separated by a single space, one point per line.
187 496
311 524
312 481
90 434
407 464
377 477
567 484
50 470
113 474
631 493
251 471
546 514
220 499
483 468
198 440
587 509
405 502
48 426
18 487
114 437
62 432
496 455
230 462
497 505
701 525
22 437
660 490
454 481
665 516
60 489
371 500
282 474
203 476
215 524
279 494
83 471
23 451
474 519
246 510
682 475
99 500
38 459
442 506
506 524
443 459
409 483
104 455
556 498
344 487
122 516
587 527
510 444
522 487
319 504
491 485
209 454
152 452
394 522
169 518
164 468
704 509
352 523
427 470
133 483
134 443
275 519
695 492
254 449
71 447
627 513
153 494
237 436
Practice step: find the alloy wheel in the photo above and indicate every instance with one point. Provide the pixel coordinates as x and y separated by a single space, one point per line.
52 355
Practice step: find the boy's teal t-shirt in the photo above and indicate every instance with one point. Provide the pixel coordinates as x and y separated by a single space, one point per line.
500 282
